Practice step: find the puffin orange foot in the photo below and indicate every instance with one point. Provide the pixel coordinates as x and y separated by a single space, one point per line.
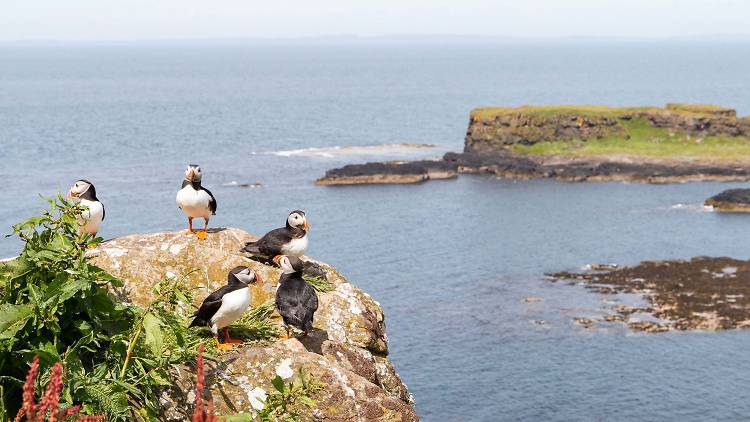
201 234
222 346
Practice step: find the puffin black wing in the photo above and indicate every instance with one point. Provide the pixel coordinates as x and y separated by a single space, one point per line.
211 202
271 243
208 308
296 302
104 212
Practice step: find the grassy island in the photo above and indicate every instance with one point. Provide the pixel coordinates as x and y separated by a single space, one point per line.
679 131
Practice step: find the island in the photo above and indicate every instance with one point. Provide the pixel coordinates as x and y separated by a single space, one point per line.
676 143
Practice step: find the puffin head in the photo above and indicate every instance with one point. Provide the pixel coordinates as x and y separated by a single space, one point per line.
80 188
298 219
244 275
289 264
193 173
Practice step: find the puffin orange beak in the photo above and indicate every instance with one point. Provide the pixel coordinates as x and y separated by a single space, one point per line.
258 278
276 259
306 226
70 195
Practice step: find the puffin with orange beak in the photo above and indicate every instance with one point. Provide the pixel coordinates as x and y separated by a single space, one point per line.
195 200
290 240
83 193
224 306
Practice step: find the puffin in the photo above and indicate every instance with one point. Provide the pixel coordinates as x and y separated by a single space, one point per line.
224 306
290 240
195 200
296 299
83 193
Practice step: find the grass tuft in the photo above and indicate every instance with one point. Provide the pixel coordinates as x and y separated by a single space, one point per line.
321 284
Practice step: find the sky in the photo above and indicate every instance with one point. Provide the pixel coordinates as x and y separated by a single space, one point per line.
102 20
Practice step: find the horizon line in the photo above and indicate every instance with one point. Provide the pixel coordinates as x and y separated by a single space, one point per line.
394 37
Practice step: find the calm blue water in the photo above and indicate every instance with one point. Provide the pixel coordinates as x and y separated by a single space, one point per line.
450 261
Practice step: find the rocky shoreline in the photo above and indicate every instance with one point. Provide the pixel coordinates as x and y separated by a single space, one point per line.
510 165
498 142
702 293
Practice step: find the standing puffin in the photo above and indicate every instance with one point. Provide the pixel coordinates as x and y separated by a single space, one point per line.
290 240
226 305
296 299
83 193
195 200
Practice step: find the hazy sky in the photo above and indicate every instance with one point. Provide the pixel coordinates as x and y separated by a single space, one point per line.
170 19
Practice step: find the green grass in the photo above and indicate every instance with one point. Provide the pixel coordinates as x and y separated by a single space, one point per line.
646 141
488 113
320 283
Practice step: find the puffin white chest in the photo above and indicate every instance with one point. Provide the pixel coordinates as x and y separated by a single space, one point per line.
233 305
296 247
194 203
91 218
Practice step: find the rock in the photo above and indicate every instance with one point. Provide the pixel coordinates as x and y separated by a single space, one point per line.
347 350
732 200
532 299
586 322
247 371
699 294
391 172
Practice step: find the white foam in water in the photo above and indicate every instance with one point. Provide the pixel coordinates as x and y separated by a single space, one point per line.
693 207
328 152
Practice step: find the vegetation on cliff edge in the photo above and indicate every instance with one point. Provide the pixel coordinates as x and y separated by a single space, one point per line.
644 140
57 305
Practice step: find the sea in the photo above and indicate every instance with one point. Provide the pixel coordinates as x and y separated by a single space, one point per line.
476 329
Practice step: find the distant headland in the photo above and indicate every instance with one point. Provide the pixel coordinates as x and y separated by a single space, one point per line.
677 143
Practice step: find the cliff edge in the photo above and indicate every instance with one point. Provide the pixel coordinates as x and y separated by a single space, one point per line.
347 352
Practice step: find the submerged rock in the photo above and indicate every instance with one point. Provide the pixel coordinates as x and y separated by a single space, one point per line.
700 294
732 200
347 351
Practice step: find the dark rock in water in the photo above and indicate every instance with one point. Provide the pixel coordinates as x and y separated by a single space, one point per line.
732 200
700 294
518 166
574 169
389 172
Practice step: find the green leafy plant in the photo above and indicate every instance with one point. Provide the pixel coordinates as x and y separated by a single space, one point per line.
57 305
288 399
286 402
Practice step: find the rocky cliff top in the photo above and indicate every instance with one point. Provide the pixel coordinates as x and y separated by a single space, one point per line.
347 351
494 128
